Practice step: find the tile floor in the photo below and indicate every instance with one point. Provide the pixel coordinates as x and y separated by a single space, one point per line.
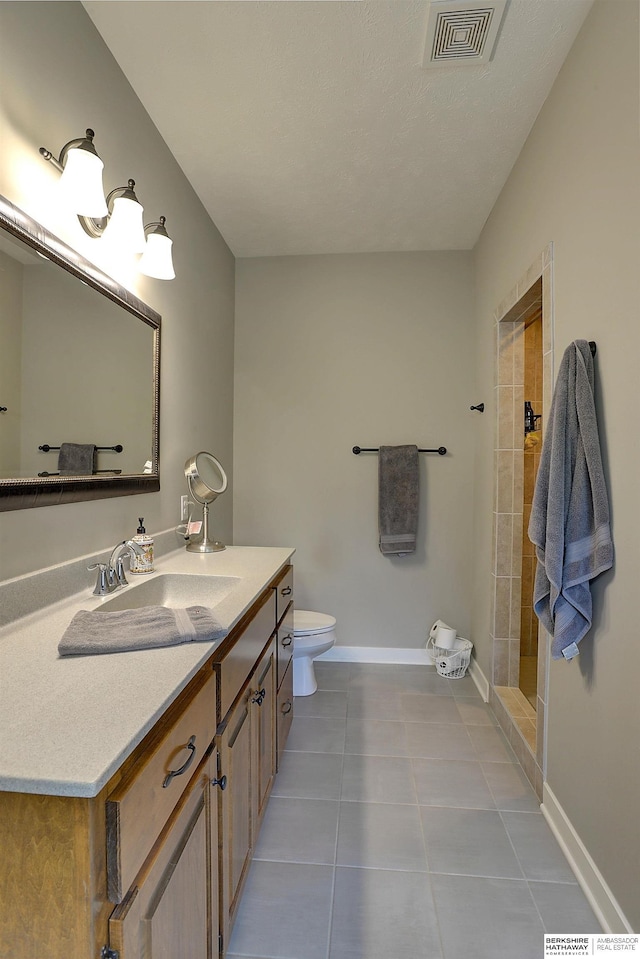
401 826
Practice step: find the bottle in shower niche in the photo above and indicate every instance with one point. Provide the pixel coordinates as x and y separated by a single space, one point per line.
142 562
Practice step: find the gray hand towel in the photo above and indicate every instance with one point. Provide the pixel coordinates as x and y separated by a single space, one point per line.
569 523
91 632
398 498
77 459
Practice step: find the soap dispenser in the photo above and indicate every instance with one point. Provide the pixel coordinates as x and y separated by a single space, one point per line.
142 562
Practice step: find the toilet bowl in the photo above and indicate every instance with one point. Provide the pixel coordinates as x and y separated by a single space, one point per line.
313 634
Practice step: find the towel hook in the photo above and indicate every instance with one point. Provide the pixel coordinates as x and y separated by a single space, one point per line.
479 407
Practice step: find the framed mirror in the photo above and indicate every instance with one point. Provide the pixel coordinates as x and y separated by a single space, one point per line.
79 371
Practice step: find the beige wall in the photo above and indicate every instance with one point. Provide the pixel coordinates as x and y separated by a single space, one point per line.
57 78
576 184
338 351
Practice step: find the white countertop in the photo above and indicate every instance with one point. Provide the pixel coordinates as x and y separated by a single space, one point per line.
67 724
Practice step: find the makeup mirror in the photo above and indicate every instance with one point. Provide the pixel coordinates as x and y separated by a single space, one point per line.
206 480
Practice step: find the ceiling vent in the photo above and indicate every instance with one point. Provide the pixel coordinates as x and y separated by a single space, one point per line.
462 31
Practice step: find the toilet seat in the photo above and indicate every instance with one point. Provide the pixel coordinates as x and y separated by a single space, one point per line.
307 623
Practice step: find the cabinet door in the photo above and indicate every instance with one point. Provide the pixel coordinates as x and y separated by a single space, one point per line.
264 706
167 913
236 839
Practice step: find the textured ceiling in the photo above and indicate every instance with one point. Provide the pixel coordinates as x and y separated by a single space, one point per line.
311 126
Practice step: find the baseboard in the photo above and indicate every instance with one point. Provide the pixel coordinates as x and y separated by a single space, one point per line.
601 899
377 654
400 657
479 679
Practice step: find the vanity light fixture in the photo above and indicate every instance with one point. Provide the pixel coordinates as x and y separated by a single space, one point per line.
119 218
156 261
81 180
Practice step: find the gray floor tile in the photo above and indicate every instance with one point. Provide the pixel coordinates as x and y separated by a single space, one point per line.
468 842
380 914
564 908
380 705
510 787
429 708
331 675
491 745
299 830
378 779
536 847
439 741
487 918
475 712
383 905
310 734
381 836
375 677
371 737
284 912
464 687
309 775
324 704
447 782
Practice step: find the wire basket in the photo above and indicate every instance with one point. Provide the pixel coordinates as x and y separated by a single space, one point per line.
451 663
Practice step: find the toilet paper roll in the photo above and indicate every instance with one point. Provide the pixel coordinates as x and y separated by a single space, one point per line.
445 637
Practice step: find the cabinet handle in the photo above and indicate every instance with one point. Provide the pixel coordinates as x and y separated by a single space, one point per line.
222 782
286 591
178 772
259 697
286 707
287 640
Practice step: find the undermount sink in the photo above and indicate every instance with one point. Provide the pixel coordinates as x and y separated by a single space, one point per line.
172 589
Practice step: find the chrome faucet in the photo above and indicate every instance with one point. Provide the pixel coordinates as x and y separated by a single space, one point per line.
111 575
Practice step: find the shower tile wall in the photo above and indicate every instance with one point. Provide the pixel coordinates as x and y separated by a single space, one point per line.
530 297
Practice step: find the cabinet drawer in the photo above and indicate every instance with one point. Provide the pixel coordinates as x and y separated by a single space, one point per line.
285 644
240 661
285 711
140 805
284 592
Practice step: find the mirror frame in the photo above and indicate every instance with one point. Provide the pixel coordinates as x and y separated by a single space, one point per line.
30 492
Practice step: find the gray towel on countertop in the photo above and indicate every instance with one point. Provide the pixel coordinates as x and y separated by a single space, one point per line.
398 499
77 459
91 632
569 523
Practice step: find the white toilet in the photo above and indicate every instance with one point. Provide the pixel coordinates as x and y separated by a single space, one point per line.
313 634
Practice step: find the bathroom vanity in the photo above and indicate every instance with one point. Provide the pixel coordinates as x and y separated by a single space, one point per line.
133 784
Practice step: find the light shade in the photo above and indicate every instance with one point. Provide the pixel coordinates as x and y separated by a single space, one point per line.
81 183
125 228
81 180
156 261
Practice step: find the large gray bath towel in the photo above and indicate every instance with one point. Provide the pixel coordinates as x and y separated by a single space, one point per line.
398 498
569 523
91 632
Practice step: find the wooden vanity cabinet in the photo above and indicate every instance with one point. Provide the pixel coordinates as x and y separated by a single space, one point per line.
146 870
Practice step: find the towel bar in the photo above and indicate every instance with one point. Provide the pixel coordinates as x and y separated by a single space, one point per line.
116 449
361 449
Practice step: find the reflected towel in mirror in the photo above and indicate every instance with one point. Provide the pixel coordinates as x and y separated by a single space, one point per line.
77 459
